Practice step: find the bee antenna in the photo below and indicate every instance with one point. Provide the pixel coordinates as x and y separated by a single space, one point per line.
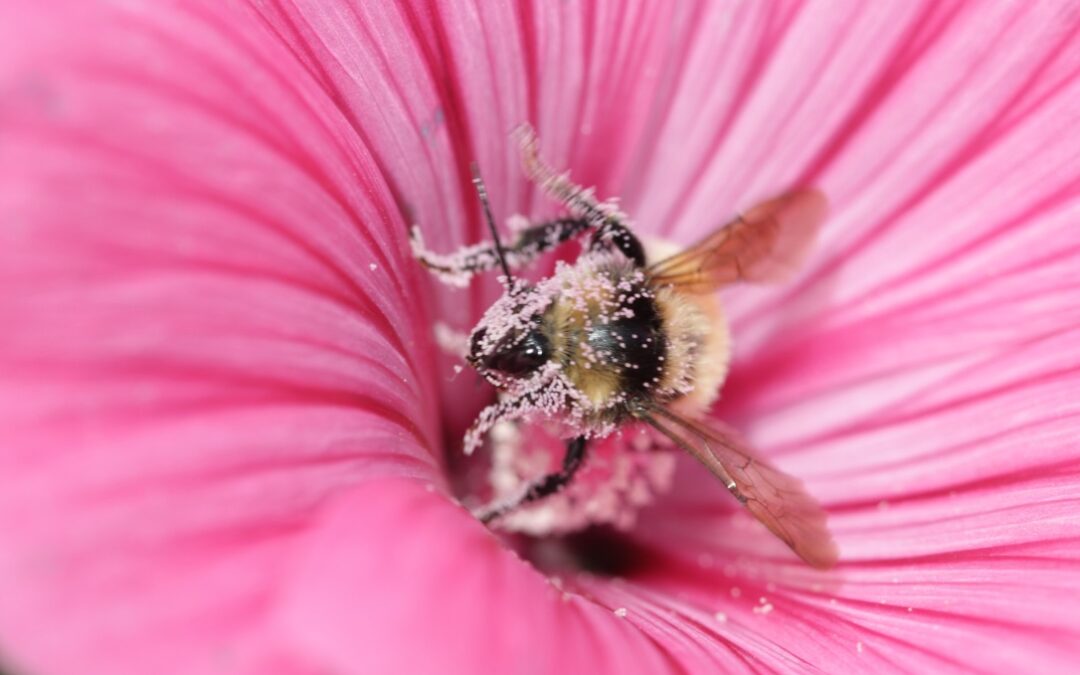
481 191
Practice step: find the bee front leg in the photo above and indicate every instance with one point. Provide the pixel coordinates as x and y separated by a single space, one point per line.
544 486
457 268
614 233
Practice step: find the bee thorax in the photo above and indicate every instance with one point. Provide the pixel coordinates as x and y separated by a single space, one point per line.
620 342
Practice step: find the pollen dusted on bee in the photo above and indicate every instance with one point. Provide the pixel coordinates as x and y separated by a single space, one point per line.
610 339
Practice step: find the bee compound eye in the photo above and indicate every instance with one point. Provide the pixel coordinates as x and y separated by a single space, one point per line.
474 356
522 357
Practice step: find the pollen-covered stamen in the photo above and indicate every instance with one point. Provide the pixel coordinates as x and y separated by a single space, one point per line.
623 474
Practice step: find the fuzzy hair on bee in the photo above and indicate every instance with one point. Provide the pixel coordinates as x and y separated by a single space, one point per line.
612 339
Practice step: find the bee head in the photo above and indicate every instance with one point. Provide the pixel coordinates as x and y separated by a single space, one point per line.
509 342
516 354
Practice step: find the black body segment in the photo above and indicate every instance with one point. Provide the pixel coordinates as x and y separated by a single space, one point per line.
520 358
613 233
633 346
546 485
542 237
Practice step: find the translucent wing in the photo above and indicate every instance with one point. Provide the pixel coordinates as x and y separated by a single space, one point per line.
767 243
773 497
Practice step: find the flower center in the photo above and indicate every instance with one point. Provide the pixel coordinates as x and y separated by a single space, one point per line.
599 550
622 473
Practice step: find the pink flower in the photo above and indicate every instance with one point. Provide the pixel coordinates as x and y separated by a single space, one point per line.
228 440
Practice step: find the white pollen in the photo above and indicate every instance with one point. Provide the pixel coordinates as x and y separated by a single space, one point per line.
858 647
621 612
373 267
721 617
763 609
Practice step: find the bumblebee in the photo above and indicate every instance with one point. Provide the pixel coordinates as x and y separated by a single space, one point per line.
614 339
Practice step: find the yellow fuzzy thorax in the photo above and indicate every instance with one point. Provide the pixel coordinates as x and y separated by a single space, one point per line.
695 336
584 302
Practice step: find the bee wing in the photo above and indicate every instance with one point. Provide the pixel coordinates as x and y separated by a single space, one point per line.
773 497
767 243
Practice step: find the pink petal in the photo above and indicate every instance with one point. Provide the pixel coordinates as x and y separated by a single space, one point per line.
205 333
442 595
219 354
920 377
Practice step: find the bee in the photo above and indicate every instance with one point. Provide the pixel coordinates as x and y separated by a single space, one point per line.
615 338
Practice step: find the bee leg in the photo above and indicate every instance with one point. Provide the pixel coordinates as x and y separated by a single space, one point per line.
614 233
610 223
577 199
544 486
534 240
457 268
